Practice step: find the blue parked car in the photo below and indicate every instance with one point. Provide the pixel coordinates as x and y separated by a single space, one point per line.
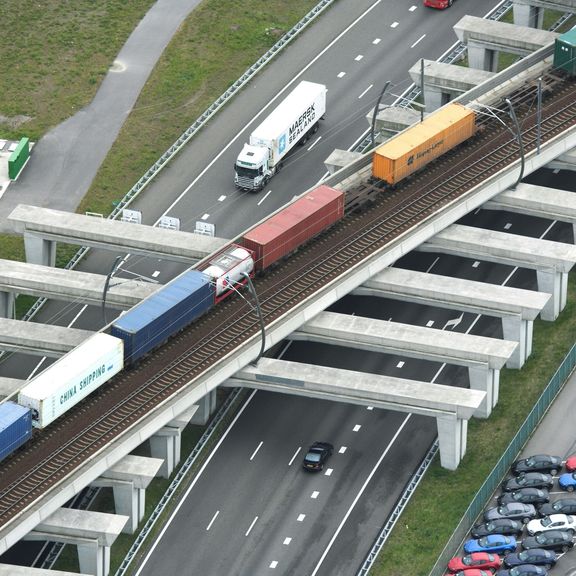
491 543
568 481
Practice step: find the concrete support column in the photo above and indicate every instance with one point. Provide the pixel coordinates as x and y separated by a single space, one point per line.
94 559
39 250
165 444
486 380
556 284
206 408
517 330
482 58
435 98
129 501
7 300
452 435
529 16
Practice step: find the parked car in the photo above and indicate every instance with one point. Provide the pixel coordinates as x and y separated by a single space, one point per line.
474 572
491 543
526 496
538 556
538 463
524 570
567 481
528 480
553 522
317 455
500 526
483 560
513 510
571 463
551 540
560 506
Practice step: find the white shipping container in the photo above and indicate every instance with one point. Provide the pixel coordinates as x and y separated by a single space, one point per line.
294 116
72 378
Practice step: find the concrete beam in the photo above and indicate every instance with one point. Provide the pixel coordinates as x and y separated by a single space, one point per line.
551 260
484 357
10 386
41 225
13 570
39 339
70 286
451 406
566 161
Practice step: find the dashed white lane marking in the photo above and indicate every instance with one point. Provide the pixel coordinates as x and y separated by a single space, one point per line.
287 541
476 264
314 143
359 57
222 198
400 365
365 91
433 264
251 526
369 407
212 521
206 216
273 564
265 196
301 517
314 494
430 323
356 428
341 74
328 472
156 274
418 41
412 8
376 40
256 451
394 24
342 450
294 457
508 225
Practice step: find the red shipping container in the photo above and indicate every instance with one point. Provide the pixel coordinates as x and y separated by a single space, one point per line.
294 225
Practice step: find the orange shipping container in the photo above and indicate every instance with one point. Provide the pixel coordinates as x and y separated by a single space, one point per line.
422 143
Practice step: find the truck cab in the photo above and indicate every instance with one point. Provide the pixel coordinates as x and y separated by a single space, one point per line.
251 168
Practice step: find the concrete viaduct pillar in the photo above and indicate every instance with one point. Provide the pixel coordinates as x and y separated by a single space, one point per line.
529 16
7 302
39 250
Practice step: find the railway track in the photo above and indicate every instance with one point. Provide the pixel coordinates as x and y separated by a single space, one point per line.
63 447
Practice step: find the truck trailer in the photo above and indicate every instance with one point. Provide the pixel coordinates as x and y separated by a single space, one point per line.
291 122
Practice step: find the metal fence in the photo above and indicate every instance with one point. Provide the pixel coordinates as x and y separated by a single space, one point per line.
503 466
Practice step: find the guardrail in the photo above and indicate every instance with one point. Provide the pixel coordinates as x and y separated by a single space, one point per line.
503 466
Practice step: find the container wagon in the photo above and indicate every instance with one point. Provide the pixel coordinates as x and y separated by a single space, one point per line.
15 427
420 144
155 319
297 223
565 52
71 378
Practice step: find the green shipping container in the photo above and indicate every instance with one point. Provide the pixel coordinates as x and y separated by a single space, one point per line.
565 52
18 158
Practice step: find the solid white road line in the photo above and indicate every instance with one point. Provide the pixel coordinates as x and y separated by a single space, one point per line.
363 93
265 196
251 526
256 451
418 41
294 457
212 521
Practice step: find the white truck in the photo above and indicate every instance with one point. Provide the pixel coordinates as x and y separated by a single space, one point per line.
291 122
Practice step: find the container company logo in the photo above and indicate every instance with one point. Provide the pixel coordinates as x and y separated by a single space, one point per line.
308 116
423 153
86 381
281 143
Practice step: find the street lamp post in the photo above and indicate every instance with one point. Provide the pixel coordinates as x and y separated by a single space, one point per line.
260 318
107 285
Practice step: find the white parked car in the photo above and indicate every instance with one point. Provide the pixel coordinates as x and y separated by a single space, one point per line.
552 522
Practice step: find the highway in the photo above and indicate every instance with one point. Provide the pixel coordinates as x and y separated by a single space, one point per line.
234 490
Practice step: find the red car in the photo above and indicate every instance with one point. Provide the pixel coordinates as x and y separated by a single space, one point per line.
440 4
480 560
571 464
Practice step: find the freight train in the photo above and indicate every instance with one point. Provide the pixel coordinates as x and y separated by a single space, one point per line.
153 321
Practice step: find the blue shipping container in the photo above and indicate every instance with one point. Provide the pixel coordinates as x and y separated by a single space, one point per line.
155 319
15 427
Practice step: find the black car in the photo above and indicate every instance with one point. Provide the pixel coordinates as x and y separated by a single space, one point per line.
560 506
538 463
551 540
528 480
513 510
537 556
524 570
500 526
526 496
317 455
